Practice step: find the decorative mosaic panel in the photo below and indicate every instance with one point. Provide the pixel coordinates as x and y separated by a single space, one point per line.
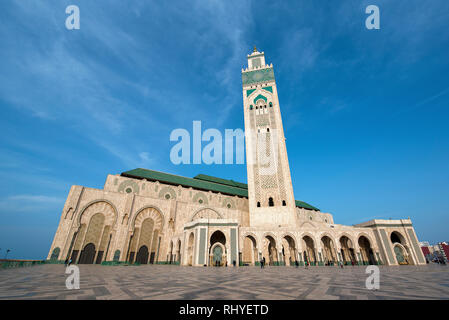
128 184
262 120
268 182
95 228
387 245
167 193
146 232
104 239
200 198
416 245
248 92
257 76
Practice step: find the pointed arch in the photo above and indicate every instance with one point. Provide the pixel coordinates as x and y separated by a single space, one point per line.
148 212
206 213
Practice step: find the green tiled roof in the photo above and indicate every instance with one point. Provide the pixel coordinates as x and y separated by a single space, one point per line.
302 204
201 182
231 183
186 182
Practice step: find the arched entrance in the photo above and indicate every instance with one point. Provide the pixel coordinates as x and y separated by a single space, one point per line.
87 254
347 250
190 249
330 257
270 252
95 224
142 255
288 250
309 253
366 251
146 228
217 253
250 250
400 248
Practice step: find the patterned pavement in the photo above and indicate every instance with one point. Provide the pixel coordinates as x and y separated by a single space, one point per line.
208 283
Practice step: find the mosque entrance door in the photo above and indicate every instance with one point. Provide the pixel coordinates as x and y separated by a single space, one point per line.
88 254
217 257
372 260
142 255
399 252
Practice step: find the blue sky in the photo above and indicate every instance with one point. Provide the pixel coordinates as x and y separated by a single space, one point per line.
365 112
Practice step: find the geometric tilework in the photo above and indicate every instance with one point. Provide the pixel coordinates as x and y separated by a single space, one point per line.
180 282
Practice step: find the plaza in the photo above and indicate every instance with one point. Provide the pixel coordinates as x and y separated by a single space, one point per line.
169 282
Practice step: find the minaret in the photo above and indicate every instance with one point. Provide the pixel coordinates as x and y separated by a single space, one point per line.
270 191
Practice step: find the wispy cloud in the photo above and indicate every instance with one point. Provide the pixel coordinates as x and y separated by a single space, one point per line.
30 203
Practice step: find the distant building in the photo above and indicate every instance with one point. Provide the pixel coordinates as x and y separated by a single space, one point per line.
427 250
444 250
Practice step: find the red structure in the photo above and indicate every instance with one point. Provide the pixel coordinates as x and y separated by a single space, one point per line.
425 251
445 249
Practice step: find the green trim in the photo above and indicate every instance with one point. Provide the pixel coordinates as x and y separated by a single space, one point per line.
249 92
302 204
25 263
196 183
388 225
202 249
270 89
204 224
227 182
233 245
387 246
260 97
257 76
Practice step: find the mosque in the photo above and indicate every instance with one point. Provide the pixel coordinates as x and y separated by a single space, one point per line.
150 217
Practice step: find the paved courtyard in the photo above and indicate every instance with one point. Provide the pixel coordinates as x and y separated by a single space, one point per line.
174 282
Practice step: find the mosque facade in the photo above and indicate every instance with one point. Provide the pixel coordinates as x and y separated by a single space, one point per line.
150 217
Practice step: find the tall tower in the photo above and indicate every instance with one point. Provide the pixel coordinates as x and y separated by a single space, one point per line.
270 191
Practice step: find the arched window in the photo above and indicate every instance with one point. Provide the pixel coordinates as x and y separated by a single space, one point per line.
258 204
268 129
251 107
270 202
284 203
265 106
271 105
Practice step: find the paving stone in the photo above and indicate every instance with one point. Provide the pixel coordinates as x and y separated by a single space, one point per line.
246 283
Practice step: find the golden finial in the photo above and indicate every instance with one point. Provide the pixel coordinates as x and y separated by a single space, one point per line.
255 49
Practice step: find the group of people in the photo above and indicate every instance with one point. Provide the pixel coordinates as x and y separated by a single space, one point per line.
307 263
